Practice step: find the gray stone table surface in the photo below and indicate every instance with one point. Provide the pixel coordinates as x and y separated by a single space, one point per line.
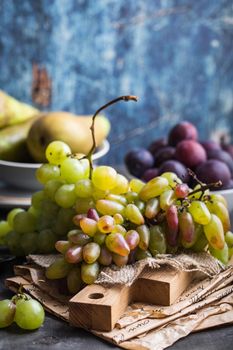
55 334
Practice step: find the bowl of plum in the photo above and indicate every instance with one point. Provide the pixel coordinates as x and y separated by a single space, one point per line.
183 154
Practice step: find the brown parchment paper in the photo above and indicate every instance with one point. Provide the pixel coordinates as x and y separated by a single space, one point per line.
208 302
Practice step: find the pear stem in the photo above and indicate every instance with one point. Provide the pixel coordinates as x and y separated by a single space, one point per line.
92 128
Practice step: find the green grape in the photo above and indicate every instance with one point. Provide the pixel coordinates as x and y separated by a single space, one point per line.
218 198
37 199
35 212
166 199
11 215
7 313
198 194
214 232
84 188
47 172
121 185
86 167
116 243
72 170
187 229
58 269
172 179
24 222
56 152
48 215
99 238
229 238
199 212
29 242
98 194
154 188
218 208
201 241
4 228
88 226
230 252
105 224
104 177
83 205
152 208
62 246
105 257
91 252
157 243
119 260
51 188
74 254
136 185
13 240
65 196
134 215
144 234
29 314
220 254
116 198
119 229
131 196
89 272
118 219
141 205
74 280
46 241
107 207
64 223
132 238
78 237
142 254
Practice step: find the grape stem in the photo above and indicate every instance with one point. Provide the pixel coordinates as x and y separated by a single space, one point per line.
204 187
92 128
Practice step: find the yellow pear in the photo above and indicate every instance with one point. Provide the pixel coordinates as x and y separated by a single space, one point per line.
66 127
13 111
13 145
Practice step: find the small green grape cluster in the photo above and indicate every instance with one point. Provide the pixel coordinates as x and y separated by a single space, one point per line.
96 217
26 312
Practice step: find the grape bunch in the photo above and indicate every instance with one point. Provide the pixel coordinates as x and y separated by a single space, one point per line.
120 221
211 161
26 312
97 217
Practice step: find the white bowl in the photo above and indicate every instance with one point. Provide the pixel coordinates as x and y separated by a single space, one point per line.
22 175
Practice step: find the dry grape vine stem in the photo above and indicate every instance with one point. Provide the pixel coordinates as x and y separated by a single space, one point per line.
203 187
92 128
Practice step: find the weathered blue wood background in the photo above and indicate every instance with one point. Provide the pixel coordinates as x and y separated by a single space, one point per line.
176 55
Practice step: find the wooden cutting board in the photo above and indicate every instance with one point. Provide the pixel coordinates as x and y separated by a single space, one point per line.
99 308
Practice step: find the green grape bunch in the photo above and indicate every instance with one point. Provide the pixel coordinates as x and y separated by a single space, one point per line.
25 311
95 217
136 221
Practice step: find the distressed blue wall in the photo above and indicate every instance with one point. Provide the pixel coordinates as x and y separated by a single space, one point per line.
176 55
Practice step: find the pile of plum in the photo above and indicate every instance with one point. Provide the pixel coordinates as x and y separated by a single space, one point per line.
209 160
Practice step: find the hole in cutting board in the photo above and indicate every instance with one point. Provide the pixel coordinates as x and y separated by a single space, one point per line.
96 296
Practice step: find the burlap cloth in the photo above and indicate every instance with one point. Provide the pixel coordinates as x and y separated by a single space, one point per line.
126 275
206 303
